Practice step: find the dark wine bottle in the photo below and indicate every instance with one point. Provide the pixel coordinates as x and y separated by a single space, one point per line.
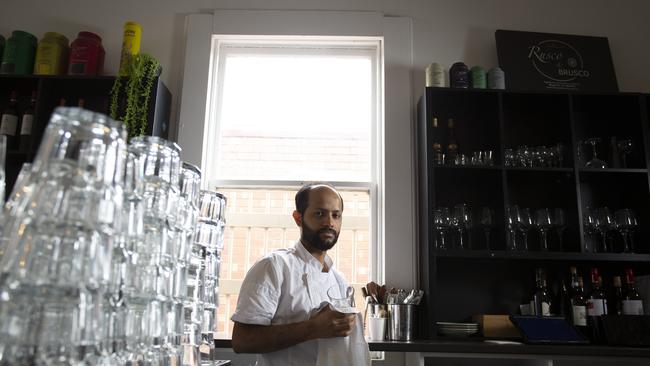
632 301
579 306
616 305
26 125
9 122
438 157
541 303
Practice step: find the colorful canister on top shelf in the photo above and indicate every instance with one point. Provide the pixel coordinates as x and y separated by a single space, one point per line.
19 52
435 75
478 77
52 55
130 46
86 55
496 78
459 76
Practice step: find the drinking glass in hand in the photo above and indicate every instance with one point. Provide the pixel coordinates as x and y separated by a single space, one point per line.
595 163
625 224
339 300
462 221
559 221
487 221
543 223
441 223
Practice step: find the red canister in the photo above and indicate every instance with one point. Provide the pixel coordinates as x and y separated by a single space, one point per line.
86 55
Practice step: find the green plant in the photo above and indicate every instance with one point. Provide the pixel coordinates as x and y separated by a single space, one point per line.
130 103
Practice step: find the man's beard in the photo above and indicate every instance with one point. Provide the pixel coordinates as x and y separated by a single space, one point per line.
313 238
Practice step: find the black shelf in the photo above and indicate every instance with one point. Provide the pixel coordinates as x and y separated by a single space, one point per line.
461 283
550 256
51 89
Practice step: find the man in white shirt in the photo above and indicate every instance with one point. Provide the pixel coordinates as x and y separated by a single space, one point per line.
279 314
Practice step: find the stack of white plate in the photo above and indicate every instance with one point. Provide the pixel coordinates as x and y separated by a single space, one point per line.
457 329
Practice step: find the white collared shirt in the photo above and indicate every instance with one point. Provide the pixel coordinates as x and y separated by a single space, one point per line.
285 287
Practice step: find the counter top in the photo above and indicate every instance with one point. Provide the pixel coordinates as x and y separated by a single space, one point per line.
467 346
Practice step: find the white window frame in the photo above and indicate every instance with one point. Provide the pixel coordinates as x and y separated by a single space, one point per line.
395 189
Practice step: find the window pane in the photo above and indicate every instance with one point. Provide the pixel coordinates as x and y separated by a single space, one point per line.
256 227
300 117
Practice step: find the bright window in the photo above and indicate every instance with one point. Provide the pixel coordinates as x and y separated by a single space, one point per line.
285 111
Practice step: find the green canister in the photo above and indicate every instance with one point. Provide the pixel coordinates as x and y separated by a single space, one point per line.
478 77
18 55
52 55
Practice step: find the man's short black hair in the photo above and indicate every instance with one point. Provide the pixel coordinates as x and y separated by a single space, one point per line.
302 197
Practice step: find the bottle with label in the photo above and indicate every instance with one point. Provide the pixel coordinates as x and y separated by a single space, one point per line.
616 306
596 300
452 146
26 125
459 76
579 306
541 303
9 122
632 301
574 281
438 157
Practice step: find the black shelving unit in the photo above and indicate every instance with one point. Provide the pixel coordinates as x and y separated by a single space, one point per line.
480 280
49 92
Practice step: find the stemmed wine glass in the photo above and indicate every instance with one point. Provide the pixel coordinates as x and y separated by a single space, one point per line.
487 221
595 162
604 223
543 223
626 147
590 225
524 223
625 224
511 226
462 221
441 223
559 221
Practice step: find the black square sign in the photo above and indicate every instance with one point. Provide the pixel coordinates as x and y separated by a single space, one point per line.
547 61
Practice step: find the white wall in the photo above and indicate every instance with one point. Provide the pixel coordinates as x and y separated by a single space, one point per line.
445 31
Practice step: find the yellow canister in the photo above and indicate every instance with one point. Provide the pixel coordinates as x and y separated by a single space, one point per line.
52 55
130 46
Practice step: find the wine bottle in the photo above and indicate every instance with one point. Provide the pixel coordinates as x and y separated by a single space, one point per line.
452 146
9 122
579 306
541 303
81 103
26 124
438 157
596 300
616 306
632 302
564 301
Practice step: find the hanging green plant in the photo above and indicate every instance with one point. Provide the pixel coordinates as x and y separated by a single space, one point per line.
130 102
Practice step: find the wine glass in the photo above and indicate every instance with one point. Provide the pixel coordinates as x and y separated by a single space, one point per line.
625 224
594 163
441 223
487 221
524 223
589 220
511 224
604 223
559 221
543 223
625 146
462 221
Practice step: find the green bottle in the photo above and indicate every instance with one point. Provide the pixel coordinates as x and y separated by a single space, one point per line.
19 53
2 46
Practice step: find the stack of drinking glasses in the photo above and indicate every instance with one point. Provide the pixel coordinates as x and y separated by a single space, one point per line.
208 244
521 220
535 157
55 272
95 250
599 222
